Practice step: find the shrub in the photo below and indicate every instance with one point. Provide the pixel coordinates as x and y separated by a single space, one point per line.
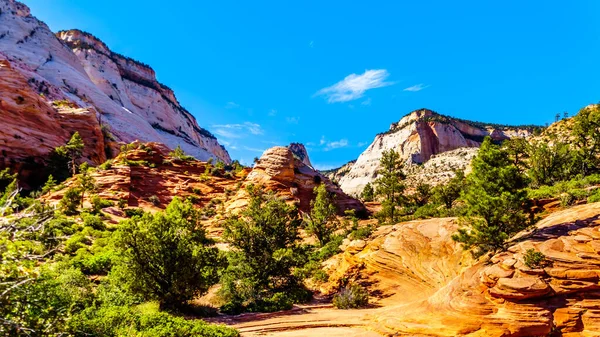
98 263
595 196
351 297
107 165
139 321
93 221
170 245
361 233
534 259
131 212
98 204
71 201
76 242
122 203
178 153
154 200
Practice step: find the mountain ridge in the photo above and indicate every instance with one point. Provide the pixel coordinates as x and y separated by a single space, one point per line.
73 73
417 137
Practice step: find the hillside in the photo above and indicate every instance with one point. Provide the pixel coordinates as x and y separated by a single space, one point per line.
425 285
418 136
71 82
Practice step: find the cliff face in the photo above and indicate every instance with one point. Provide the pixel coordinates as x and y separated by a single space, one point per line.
79 71
418 136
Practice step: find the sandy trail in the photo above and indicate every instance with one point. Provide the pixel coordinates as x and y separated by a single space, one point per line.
306 320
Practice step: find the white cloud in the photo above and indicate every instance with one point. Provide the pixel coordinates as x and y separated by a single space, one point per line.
336 144
233 130
231 105
354 86
253 149
322 141
366 101
226 133
272 112
416 87
292 120
361 144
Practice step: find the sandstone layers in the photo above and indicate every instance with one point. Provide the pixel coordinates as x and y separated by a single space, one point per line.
418 136
283 172
53 85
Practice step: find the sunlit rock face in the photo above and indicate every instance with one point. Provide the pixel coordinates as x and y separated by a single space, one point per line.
94 87
417 137
280 170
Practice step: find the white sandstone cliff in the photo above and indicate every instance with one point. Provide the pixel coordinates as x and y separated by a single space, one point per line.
123 93
418 136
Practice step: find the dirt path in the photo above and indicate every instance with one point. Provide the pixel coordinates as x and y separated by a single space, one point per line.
308 320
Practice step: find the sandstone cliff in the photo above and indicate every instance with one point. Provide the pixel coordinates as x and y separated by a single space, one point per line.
43 72
418 136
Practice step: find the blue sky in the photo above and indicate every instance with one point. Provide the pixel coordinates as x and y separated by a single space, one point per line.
332 74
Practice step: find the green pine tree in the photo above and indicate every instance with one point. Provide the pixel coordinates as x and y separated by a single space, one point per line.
168 256
496 200
265 250
72 150
322 221
367 193
389 186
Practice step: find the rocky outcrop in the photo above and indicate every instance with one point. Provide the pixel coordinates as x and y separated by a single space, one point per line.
401 263
338 173
147 177
300 152
79 72
280 171
506 297
418 136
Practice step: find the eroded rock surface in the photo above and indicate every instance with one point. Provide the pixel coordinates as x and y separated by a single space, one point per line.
417 137
289 177
52 86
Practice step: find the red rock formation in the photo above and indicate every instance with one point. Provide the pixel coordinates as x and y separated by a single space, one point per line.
505 297
32 128
279 171
122 93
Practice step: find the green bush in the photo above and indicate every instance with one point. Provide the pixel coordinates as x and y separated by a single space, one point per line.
76 242
131 212
70 201
361 233
534 259
351 297
154 200
98 204
94 264
93 221
107 165
594 196
127 321
122 203
170 245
